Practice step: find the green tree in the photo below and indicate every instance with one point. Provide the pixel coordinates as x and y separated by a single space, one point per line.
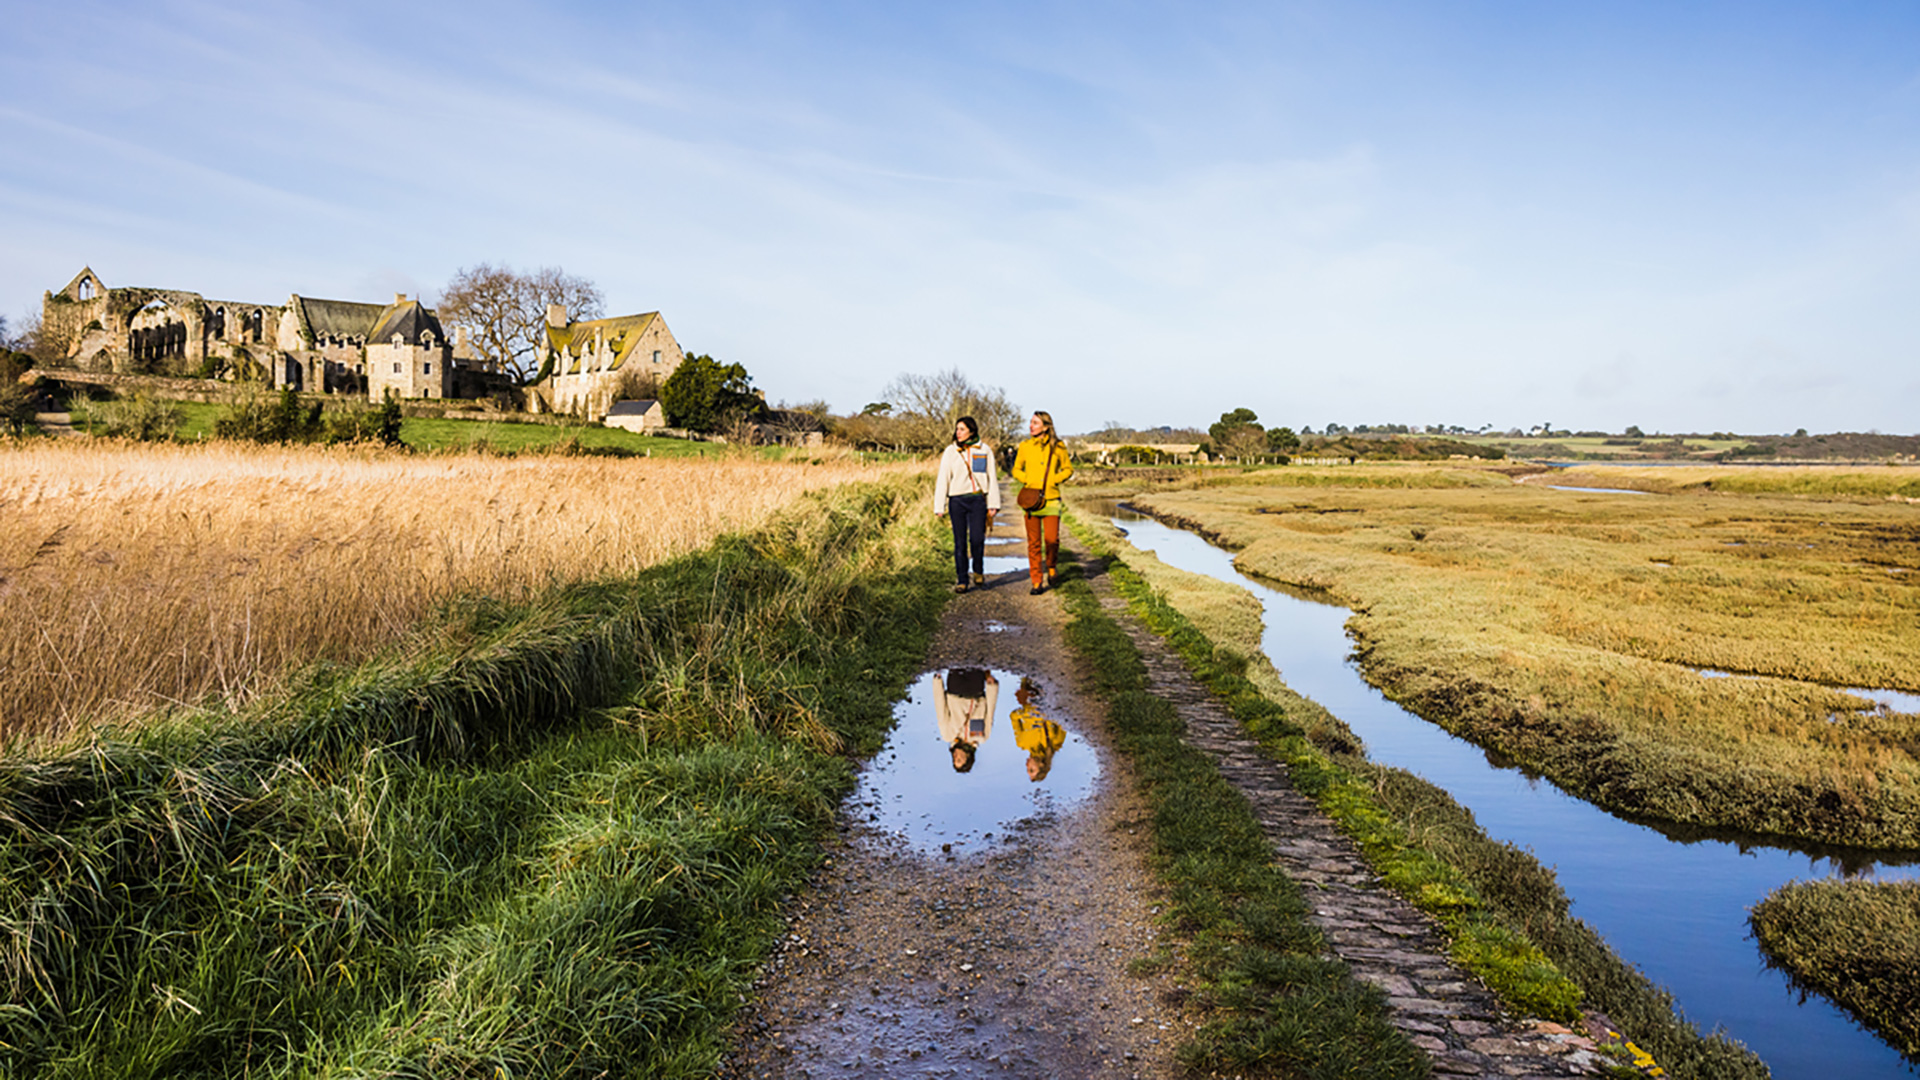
703 394
1282 440
1238 434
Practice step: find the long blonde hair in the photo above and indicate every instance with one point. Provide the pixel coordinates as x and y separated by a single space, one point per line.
1052 438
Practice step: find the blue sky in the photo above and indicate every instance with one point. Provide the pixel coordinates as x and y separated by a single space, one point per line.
1681 216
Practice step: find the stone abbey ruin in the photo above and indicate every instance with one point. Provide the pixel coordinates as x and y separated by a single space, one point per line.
346 347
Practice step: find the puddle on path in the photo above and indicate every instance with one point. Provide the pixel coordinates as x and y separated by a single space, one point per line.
913 789
1005 564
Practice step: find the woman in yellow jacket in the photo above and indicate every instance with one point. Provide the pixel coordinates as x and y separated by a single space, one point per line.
1042 464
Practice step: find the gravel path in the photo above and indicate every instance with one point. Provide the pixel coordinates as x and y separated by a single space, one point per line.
1008 962
1011 961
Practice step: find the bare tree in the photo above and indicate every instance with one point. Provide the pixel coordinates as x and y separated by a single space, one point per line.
925 407
505 311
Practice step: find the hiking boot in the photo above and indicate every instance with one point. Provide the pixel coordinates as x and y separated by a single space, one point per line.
962 587
1036 590
979 579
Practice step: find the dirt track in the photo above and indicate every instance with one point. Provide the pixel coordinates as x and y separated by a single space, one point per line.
1004 959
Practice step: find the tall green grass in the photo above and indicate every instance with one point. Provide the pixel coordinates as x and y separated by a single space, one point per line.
535 840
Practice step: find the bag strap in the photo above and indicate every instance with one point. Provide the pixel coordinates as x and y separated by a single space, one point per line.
1046 474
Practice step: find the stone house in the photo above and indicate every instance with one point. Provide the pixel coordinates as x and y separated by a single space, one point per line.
587 366
408 353
638 415
308 344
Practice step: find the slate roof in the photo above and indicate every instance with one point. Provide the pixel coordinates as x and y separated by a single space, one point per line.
574 340
337 318
636 407
408 318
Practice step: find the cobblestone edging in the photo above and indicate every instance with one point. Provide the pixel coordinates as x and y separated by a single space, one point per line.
1385 940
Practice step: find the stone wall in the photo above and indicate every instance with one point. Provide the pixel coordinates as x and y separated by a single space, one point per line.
410 371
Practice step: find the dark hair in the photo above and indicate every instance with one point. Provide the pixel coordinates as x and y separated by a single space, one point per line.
973 426
966 747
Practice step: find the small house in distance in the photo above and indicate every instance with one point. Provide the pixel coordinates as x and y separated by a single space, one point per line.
640 416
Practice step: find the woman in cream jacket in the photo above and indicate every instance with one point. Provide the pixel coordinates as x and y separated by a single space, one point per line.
967 493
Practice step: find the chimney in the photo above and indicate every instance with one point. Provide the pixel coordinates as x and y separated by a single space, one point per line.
557 316
399 298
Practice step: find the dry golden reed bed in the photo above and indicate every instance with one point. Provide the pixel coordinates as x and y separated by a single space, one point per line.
138 574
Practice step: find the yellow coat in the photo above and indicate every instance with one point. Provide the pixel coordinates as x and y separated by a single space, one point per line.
1030 466
1035 733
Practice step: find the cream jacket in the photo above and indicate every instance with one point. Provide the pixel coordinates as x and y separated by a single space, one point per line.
958 715
966 473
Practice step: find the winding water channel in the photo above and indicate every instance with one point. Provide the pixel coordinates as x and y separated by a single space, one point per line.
1676 908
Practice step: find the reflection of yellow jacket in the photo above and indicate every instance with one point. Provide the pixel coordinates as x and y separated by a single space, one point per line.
1035 733
957 713
1030 466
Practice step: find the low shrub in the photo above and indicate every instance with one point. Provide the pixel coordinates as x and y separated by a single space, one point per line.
137 416
1857 942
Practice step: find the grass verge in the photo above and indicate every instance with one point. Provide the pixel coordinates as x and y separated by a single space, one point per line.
538 839
1856 942
1283 1008
1508 920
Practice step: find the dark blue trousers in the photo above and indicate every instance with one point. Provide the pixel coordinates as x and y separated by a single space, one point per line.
968 513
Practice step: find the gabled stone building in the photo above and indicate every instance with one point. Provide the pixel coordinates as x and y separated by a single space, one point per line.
587 366
319 346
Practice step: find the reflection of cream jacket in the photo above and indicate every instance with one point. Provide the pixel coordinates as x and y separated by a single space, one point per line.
1036 734
958 715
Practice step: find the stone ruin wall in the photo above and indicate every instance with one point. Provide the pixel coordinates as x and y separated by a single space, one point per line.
141 331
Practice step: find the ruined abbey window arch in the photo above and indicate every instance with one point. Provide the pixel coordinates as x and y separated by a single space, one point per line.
156 332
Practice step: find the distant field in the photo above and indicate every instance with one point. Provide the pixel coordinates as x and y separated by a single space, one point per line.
426 433
1899 482
138 574
1567 629
1579 446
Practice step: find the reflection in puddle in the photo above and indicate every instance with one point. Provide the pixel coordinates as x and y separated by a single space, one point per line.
995 626
1006 564
973 752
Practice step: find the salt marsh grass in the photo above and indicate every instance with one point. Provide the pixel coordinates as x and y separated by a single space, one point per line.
1858 942
1568 631
135 575
1893 482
